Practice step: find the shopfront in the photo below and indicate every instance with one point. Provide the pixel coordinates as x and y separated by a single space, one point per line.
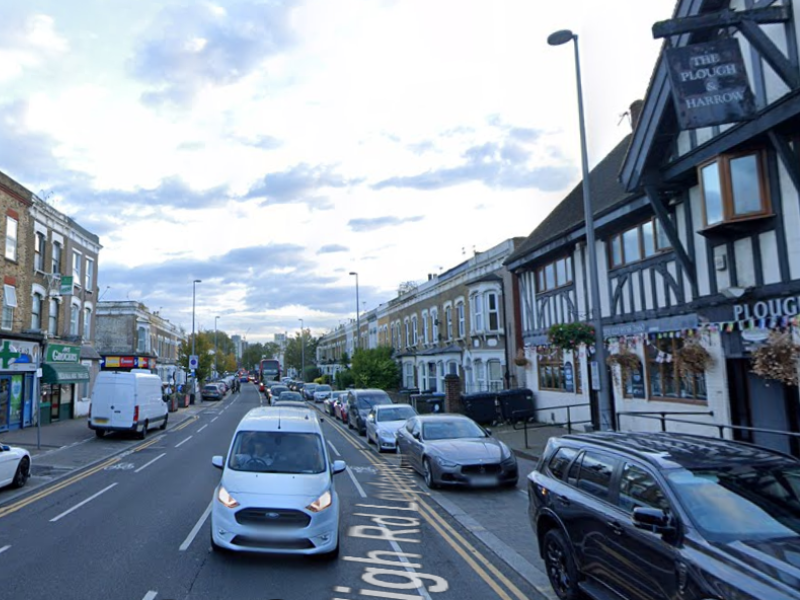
62 373
18 364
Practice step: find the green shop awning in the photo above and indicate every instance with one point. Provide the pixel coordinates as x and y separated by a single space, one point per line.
64 373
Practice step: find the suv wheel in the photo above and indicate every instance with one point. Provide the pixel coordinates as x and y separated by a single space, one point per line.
561 569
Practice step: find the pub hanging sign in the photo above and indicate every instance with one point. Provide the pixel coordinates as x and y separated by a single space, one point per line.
709 84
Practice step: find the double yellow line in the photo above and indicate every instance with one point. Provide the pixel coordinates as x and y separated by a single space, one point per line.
488 572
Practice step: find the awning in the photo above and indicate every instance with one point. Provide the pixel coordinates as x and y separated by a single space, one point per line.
64 373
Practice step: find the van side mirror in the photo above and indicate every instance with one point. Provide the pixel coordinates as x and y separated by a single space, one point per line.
5 448
217 461
339 466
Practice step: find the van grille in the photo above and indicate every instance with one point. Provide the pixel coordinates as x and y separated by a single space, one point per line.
249 542
273 517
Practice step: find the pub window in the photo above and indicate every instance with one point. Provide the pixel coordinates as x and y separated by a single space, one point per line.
555 275
637 243
734 187
550 365
665 380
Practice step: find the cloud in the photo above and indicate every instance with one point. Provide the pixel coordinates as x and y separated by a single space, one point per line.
380 222
27 42
24 154
198 45
332 248
295 184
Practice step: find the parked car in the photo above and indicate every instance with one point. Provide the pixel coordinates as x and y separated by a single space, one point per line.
211 391
277 493
329 404
290 403
322 392
666 515
359 403
453 450
383 421
340 409
15 466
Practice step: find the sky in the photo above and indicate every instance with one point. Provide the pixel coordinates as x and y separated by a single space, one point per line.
271 148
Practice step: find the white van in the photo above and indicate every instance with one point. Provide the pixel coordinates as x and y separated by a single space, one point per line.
127 401
276 494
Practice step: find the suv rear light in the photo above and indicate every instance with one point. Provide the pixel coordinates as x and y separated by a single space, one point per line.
136 414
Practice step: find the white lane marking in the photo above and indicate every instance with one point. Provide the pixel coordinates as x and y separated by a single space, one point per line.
193 533
203 427
214 419
355 483
151 595
396 547
183 442
333 448
77 506
144 466
4 548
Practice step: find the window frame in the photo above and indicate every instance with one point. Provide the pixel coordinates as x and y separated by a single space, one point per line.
74 319
52 317
77 264
540 277
652 365
12 238
616 242
476 312
460 316
36 316
723 162
9 305
39 246
88 276
555 362
56 257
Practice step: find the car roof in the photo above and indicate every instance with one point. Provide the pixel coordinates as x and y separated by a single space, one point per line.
442 417
680 450
393 405
368 391
280 418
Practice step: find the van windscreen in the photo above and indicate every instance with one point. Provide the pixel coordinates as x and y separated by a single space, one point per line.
277 452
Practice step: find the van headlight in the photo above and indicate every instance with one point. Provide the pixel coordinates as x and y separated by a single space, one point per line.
226 499
321 503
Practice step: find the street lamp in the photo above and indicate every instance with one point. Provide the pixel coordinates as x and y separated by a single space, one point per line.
358 313
216 367
303 346
194 294
603 396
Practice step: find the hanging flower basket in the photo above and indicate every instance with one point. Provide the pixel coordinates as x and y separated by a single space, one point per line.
625 359
692 359
777 358
520 359
568 336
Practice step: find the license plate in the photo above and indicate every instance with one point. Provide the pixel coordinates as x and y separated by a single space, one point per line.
100 420
483 481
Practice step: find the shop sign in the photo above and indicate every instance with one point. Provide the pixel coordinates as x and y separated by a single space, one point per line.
709 84
111 362
569 379
65 288
16 355
62 353
767 309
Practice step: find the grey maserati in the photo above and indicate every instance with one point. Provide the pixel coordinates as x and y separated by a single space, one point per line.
453 450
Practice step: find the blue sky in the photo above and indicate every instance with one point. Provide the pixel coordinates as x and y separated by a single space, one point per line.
270 148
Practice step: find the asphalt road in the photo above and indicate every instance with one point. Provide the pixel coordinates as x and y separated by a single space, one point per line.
135 527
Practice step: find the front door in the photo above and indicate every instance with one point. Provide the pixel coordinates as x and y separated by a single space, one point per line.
764 404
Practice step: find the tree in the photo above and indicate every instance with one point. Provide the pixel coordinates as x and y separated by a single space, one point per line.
293 355
204 348
375 368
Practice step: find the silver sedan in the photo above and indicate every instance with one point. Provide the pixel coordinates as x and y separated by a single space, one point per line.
453 450
383 421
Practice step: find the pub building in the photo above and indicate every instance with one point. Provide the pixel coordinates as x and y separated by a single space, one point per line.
697 220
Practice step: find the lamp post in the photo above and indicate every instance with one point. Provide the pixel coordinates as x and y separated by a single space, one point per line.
216 367
358 314
194 295
603 394
303 350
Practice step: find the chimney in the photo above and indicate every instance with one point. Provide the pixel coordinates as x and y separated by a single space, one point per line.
636 112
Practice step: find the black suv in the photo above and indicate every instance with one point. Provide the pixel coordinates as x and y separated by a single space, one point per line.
652 516
359 403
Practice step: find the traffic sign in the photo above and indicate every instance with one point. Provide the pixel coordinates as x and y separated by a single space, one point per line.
193 361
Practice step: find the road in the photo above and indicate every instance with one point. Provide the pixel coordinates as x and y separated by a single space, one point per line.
135 527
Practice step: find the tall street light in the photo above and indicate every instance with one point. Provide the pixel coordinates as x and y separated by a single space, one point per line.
303 346
358 314
194 295
216 367
603 394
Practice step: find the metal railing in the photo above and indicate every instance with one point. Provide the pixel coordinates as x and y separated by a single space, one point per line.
721 427
568 423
